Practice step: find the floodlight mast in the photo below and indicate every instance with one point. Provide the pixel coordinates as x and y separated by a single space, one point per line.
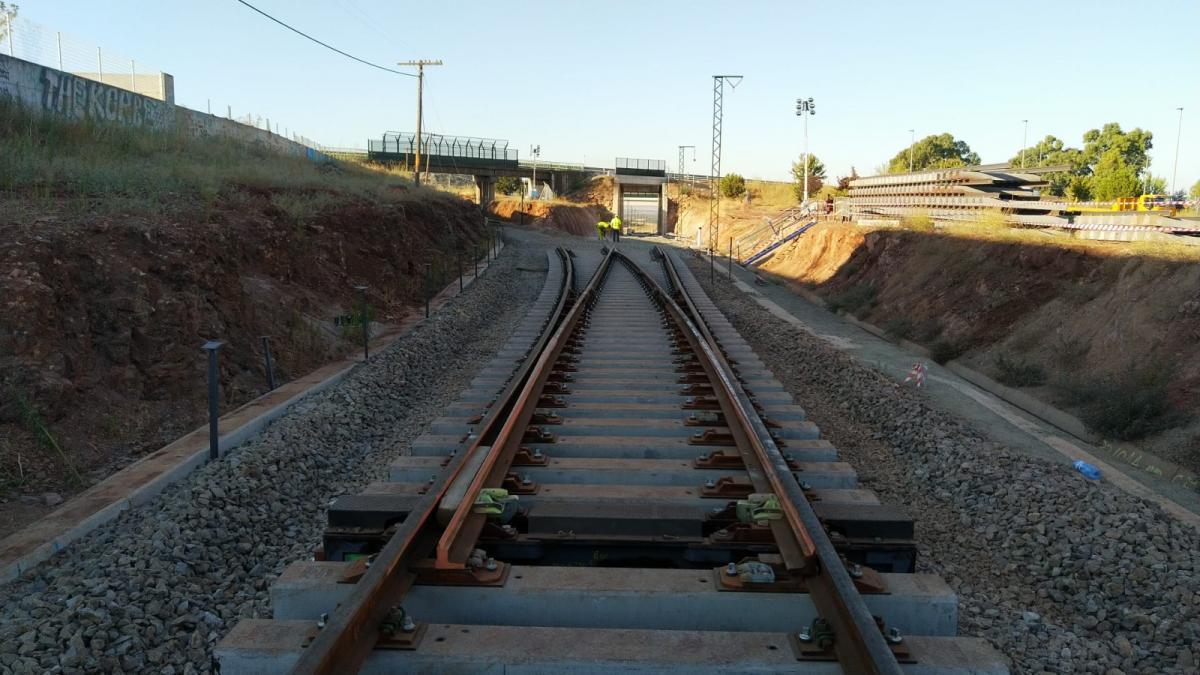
804 108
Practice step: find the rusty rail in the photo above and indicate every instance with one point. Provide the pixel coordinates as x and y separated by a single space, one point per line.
462 532
352 630
859 643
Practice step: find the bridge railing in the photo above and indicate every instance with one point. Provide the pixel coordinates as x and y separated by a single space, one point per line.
444 146
631 163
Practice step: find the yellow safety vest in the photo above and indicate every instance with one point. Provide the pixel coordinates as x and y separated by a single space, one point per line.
616 224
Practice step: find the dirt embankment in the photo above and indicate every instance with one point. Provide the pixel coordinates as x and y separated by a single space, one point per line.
103 316
598 192
577 212
688 216
1103 331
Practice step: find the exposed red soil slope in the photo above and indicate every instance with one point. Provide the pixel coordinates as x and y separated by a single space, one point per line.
569 218
103 316
1071 310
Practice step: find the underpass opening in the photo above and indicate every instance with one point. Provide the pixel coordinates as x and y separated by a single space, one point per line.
639 210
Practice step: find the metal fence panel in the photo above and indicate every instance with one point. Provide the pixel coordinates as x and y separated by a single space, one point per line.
31 41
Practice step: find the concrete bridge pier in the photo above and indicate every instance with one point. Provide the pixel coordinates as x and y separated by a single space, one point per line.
485 190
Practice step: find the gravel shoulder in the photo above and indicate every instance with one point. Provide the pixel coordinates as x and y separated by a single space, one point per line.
1061 574
154 590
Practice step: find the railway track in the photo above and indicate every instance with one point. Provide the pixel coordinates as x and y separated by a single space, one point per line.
624 487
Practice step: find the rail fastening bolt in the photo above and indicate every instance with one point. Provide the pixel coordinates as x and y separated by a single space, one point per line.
409 625
704 456
526 480
804 635
856 571
893 636
324 619
731 569
491 565
710 483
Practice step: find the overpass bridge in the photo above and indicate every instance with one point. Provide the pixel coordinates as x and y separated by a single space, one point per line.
639 193
484 158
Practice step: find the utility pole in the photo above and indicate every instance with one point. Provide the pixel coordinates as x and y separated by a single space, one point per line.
1178 133
714 198
1024 142
804 108
912 140
420 64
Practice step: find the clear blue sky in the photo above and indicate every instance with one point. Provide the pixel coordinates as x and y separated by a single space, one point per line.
594 80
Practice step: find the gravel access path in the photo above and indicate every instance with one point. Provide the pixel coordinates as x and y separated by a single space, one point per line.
1062 574
154 590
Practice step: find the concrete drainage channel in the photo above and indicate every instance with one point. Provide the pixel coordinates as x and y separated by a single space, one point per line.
624 524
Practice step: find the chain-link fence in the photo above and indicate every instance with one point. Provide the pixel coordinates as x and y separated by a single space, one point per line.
31 41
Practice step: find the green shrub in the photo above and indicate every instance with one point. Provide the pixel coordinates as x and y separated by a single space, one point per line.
732 186
853 299
509 185
900 327
1017 373
1069 352
945 351
1128 405
928 331
31 417
351 325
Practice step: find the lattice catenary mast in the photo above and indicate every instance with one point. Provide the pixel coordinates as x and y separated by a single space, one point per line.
714 199
683 154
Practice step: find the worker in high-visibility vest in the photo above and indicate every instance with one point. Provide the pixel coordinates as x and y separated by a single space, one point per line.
615 228
602 229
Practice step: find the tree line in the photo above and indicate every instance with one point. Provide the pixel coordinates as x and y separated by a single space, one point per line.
1112 163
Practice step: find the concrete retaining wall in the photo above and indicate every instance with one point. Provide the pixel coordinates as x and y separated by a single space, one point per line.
54 92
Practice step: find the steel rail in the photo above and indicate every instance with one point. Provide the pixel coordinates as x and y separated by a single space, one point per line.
794 542
352 629
465 526
859 643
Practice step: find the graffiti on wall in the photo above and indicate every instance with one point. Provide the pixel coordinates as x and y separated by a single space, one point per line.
51 91
79 98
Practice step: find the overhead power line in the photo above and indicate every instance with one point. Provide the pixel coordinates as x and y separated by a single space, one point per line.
327 46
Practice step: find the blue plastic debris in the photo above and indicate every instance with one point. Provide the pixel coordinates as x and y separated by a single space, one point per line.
1087 469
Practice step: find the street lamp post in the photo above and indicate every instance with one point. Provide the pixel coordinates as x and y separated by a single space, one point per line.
535 151
1024 142
1178 133
804 108
912 140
